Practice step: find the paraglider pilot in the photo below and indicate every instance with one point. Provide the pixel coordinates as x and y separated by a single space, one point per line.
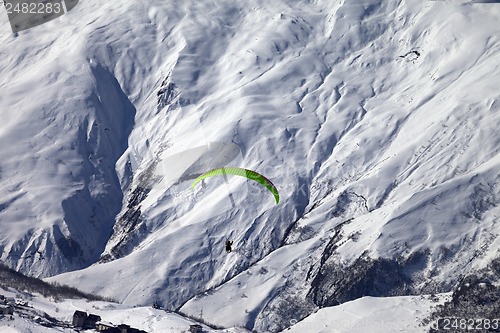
228 246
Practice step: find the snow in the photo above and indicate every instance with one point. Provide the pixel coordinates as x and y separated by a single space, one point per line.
391 314
376 118
145 318
237 300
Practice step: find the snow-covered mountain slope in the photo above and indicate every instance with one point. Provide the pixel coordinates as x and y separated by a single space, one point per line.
35 314
377 121
65 122
393 314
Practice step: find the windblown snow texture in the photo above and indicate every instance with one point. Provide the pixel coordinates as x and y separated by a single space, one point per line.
376 120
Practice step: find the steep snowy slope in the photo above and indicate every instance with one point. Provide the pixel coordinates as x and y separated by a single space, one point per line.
413 184
65 122
377 121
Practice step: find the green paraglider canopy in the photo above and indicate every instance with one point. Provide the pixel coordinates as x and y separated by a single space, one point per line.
243 173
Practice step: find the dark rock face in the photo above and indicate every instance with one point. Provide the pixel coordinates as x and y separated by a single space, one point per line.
126 226
284 311
335 284
129 227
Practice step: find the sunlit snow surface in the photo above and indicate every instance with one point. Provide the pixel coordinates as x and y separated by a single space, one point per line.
368 313
144 318
381 113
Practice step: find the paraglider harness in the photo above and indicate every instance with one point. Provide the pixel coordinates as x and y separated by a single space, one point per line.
228 246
